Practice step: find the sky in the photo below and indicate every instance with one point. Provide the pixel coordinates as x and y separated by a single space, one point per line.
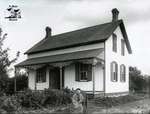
68 15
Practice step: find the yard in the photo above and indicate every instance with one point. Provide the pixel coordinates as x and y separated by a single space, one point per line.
60 103
137 103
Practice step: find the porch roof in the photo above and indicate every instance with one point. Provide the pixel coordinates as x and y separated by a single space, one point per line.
61 57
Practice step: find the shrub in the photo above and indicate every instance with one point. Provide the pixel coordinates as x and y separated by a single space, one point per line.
9 104
48 97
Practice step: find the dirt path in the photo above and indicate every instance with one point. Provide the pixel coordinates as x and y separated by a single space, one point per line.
141 106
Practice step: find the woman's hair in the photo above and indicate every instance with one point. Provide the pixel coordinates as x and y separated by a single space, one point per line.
78 89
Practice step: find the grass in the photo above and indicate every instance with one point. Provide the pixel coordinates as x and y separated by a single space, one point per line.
114 101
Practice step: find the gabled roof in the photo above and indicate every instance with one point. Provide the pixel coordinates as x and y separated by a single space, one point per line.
90 35
62 57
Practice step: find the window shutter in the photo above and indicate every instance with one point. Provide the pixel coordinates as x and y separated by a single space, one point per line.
116 65
37 76
121 73
77 67
124 73
114 42
111 72
44 75
89 74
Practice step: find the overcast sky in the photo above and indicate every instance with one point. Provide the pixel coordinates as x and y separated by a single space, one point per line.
68 15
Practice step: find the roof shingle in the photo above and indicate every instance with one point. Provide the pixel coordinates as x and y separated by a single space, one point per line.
61 57
83 36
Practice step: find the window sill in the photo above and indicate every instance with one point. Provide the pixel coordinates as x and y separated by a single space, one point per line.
122 81
115 51
114 81
40 82
83 80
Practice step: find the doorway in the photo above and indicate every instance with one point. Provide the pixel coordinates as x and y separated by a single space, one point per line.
54 78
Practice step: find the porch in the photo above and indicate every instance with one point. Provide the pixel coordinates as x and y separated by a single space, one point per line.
76 70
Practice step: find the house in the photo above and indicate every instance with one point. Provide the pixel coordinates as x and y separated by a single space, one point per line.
94 59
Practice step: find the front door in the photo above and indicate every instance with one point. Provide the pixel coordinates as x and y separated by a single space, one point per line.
54 78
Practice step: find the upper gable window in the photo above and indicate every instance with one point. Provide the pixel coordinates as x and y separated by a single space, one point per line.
122 47
114 42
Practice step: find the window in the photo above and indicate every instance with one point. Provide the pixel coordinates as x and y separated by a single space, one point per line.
114 71
41 75
83 72
122 73
122 47
114 45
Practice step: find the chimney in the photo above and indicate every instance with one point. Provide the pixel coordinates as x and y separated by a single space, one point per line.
115 14
48 32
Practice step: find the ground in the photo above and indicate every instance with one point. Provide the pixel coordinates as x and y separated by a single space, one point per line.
131 104
141 106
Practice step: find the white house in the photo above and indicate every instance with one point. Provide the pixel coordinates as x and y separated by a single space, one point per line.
93 59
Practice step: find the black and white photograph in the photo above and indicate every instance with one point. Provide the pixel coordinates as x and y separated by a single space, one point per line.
74 56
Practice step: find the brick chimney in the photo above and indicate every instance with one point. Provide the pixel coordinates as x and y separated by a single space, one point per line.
115 14
48 32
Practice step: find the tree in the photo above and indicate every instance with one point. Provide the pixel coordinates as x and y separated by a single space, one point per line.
21 83
5 62
138 82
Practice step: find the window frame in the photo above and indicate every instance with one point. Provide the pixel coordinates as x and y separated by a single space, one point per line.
41 75
82 68
114 75
122 73
114 42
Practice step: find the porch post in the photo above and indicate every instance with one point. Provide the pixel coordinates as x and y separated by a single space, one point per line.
60 77
93 73
15 87
35 81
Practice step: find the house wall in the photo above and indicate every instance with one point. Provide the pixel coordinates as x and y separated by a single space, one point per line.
68 50
39 86
86 86
69 79
113 87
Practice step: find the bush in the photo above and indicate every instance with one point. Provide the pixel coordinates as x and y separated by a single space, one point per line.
9 104
48 97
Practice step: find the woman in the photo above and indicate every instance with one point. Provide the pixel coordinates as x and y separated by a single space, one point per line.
77 101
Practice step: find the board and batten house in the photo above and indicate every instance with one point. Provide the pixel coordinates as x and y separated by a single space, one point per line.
93 59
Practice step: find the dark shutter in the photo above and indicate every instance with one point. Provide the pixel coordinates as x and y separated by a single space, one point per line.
89 74
36 76
114 42
77 67
122 47
124 73
121 73
111 72
44 74
116 65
